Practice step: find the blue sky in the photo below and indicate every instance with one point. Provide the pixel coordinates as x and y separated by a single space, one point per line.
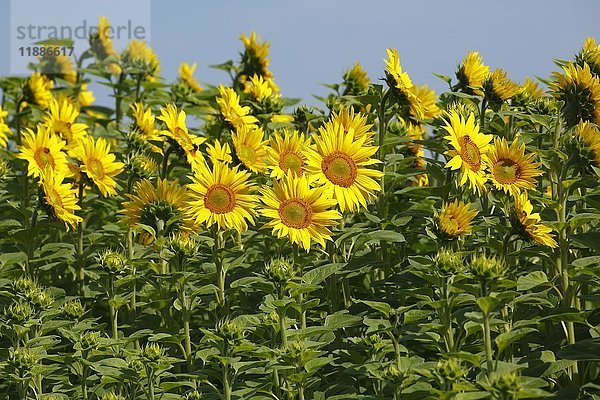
313 42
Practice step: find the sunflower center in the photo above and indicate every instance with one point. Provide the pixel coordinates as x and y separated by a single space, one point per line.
340 169
219 199
295 213
247 154
506 171
291 161
43 158
469 152
96 168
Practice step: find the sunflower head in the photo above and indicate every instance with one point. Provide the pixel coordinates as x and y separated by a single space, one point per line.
58 66
60 198
232 112
402 87
61 119
498 88
186 74
510 169
218 152
285 153
471 73
42 149
186 143
425 103
250 148
356 80
142 166
85 98
102 46
590 55
455 219
98 164
527 224
590 136
487 268
580 92
255 60
139 58
354 123
38 90
4 129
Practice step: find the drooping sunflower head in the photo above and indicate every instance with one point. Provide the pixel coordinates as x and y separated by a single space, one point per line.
455 219
222 196
186 143
144 121
58 66
186 74
528 224
498 88
590 55
510 169
142 166
98 164
296 210
4 129
356 80
158 210
258 88
471 73
469 149
218 152
395 77
250 147
353 123
255 60
343 166
285 153
231 110
102 46
139 58
61 120
425 103
38 90
60 198
43 150
590 136
580 91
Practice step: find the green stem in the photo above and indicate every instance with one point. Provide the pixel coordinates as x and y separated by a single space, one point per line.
487 336
482 115
186 328
80 261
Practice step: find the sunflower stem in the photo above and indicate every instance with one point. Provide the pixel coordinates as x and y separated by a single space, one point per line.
487 335
80 261
482 114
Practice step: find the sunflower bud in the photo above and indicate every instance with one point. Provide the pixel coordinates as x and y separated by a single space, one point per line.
112 261
487 268
193 395
22 359
89 340
143 166
230 331
449 371
183 244
279 270
110 396
4 169
448 262
19 311
73 309
506 386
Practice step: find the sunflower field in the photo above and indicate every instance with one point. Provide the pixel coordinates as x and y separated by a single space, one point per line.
226 242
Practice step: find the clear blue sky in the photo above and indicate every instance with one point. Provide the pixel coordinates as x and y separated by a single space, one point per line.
313 42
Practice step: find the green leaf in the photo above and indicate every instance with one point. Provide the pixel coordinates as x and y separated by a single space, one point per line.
317 275
531 280
342 319
505 339
584 350
487 304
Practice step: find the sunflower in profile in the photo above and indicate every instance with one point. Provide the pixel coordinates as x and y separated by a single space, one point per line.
43 150
426 99
231 110
528 223
356 80
341 164
471 73
138 58
285 153
498 88
401 85
60 119
186 74
102 46
38 90
590 135
301 213
250 148
580 90
469 150
590 55
60 198
223 196
4 129
354 123
531 89
145 124
255 60
98 164
160 207
455 218
510 169
177 131
259 89
58 66
218 152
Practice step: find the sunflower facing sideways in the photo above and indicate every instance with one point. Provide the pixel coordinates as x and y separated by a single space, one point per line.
102 45
98 164
341 164
145 125
301 213
160 207
510 169
471 73
4 129
455 219
353 122
590 136
39 90
60 197
43 150
61 117
528 223
469 150
250 148
580 90
223 196
186 74
401 85
218 152
231 110
285 153
178 132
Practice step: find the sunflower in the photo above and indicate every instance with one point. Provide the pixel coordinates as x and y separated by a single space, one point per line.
140 57
471 73
531 89
4 129
590 135
356 80
43 150
426 99
285 153
455 218
250 147
528 223
60 197
580 90
401 85
86 97
98 164
102 46
218 152
510 169
255 59
186 73
223 196
58 66
354 123
341 163
145 125
498 88
232 112
159 210
469 149
178 132
60 119
39 90
258 88
298 211
590 55
282 118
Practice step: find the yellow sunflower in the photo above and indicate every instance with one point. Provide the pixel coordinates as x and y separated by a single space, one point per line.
498 88
531 89
60 197
98 164
590 135
218 152
356 80
186 73
145 124
298 211
471 73
590 55
232 112
60 119
341 164
285 153
401 85
58 66
510 169
250 147
258 88
43 150
102 45
354 123
255 59
528 223
469 150
222 196
455 218
39 90
580 90
140 57
282 118
4 129
426 99
158 210
177 131
86 97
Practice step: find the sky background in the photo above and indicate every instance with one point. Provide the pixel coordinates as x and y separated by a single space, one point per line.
314 42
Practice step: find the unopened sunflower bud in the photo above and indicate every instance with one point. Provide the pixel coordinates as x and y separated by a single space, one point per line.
450 370
183 244
4 170
153 353
487 268
73 309
110 396
90 340
279 270
448 262
230 331
193 395
22 359
112 261
506 386
143 166
19 311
